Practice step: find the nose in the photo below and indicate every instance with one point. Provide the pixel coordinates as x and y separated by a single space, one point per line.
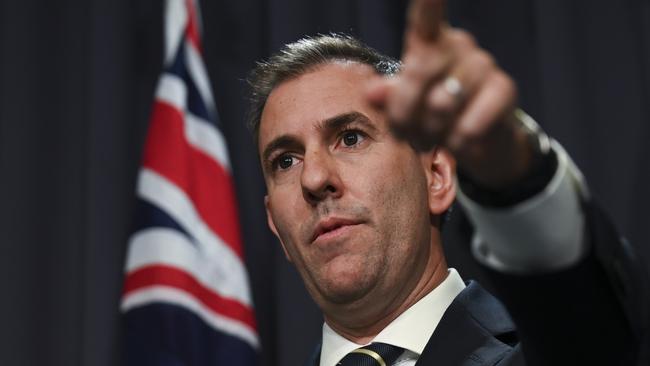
320 178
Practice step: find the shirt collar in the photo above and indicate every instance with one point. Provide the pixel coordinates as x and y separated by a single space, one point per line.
411 330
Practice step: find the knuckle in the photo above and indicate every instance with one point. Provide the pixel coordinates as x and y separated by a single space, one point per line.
463 38
504 83
484 60
441 103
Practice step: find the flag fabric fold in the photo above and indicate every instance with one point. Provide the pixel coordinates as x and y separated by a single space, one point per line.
186 298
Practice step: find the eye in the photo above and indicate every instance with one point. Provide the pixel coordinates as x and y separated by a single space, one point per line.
351 138
283 162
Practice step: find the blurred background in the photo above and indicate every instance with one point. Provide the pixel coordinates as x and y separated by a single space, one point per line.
77 81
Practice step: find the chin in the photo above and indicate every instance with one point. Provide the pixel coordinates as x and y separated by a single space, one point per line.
342 296
346 286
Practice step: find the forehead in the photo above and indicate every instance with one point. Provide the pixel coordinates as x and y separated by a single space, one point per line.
296 106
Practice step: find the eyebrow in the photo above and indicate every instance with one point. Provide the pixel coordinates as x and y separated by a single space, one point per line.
335 123
341 121
284 141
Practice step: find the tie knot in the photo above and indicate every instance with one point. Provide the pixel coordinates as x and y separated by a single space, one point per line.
374 354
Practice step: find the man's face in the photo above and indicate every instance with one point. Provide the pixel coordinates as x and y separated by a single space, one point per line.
347 199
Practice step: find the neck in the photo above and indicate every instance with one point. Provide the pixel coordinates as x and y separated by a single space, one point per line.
362 326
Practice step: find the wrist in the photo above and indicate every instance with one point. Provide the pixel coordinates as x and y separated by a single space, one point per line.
505 153
526 172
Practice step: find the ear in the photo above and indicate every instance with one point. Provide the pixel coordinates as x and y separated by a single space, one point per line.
269 220
440 170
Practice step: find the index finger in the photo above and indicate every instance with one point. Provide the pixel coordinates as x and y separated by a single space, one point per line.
426 18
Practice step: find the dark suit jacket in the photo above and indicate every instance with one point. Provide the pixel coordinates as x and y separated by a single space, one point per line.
594 313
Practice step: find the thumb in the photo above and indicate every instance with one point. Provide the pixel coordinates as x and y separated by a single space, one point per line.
378 91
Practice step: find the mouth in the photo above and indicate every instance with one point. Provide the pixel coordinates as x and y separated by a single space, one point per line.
332 227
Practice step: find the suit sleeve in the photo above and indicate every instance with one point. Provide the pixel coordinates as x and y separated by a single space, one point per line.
593 312
576 290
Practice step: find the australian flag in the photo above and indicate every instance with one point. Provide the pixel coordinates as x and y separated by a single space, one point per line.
186 298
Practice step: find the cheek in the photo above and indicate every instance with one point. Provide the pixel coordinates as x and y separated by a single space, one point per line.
401 202
397 183
288 219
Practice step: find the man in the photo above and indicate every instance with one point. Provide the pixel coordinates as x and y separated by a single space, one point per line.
360 170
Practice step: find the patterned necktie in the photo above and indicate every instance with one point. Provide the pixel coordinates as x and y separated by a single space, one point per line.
374 354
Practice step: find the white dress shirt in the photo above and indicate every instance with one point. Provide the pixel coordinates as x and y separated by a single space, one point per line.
541 234
544 233
411 330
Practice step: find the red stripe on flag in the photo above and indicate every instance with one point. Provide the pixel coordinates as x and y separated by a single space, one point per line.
205 181
159 275
192 30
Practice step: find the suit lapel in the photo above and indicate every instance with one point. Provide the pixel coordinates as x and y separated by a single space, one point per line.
474 330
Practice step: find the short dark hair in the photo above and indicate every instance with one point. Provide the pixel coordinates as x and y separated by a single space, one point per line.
302 56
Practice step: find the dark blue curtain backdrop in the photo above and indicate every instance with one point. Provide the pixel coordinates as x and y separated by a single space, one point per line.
76 83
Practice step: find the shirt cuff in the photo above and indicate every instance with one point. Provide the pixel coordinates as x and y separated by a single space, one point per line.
541 234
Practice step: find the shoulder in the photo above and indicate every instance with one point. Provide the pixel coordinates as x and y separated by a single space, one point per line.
476 330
